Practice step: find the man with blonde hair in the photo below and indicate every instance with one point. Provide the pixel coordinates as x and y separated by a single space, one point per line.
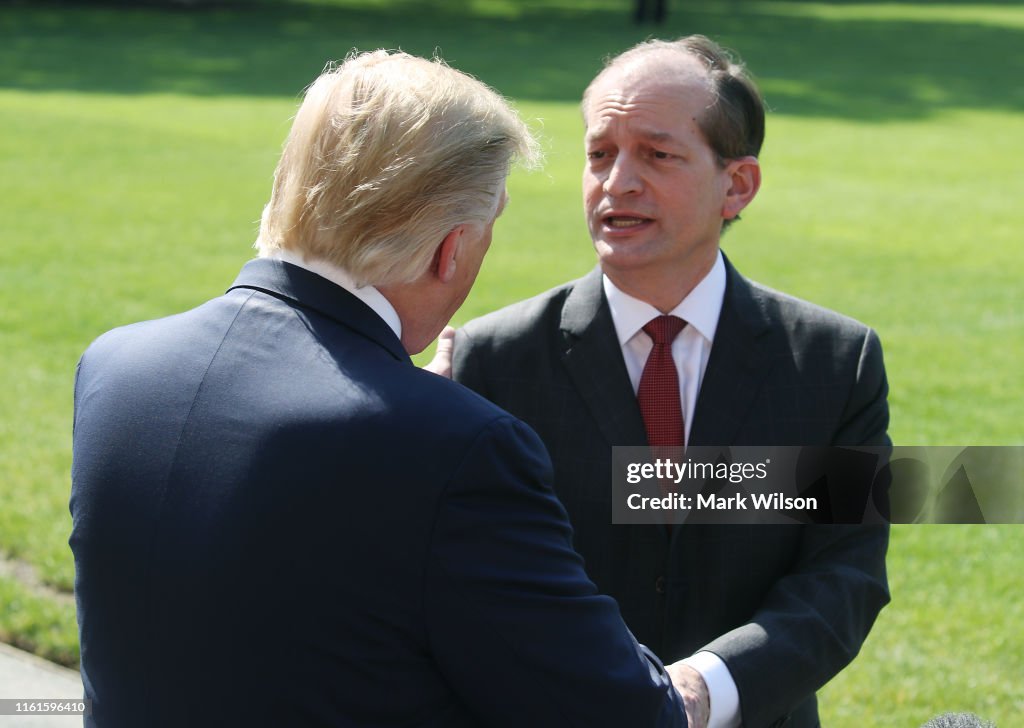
280 521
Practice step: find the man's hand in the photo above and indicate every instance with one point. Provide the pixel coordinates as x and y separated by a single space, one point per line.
691 686
442 362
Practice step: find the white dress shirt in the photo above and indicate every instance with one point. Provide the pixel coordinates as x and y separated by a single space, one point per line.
690 352
339 276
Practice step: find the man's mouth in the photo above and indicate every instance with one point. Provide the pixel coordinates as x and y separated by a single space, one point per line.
624 221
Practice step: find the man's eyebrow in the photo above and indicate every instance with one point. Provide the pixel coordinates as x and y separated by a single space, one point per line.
650 135
659 136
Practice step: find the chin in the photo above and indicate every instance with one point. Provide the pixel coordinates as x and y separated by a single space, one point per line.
622 257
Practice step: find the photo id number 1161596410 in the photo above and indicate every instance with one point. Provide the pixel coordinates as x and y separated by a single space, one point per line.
36 706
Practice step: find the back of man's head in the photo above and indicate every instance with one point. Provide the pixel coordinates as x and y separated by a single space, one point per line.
387 154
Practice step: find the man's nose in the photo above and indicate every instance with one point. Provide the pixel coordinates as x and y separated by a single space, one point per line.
623 177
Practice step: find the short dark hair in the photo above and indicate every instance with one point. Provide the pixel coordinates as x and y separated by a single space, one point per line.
734 123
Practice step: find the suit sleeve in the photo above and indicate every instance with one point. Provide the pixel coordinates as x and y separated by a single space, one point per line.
866 419
814 620
518 629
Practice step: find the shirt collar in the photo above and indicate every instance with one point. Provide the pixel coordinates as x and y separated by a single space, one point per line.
341 277
700 309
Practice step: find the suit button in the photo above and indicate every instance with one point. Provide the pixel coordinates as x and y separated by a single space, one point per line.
659 585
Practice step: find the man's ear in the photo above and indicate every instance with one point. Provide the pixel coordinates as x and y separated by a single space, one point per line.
447 252
745 180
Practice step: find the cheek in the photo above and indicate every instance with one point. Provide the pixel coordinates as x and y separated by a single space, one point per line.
591 191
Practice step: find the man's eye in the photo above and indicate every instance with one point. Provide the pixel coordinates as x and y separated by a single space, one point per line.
660 155
595 155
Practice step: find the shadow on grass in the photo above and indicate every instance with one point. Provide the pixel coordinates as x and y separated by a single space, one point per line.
809 64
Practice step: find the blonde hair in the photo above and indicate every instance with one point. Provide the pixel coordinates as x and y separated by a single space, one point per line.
387 154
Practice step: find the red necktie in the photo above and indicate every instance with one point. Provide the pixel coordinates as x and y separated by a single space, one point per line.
658 393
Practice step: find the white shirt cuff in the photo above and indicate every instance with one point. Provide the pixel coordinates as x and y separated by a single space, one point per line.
725 699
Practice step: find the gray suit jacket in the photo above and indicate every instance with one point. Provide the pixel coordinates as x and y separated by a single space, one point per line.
786 607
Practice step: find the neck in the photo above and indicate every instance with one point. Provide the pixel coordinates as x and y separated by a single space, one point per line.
421 313
663 288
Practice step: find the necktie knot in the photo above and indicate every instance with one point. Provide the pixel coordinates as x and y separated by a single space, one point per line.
664 329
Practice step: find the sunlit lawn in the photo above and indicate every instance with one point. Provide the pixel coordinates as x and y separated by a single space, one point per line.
137 151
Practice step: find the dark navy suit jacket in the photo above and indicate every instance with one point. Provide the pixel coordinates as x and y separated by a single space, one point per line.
785 607
280 521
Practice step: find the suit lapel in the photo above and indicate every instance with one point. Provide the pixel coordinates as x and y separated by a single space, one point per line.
595 365
594 361
739 363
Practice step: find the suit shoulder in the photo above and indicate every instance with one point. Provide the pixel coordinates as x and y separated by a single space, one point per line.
820 339
799 314
521 318
141 336
155 339
461 404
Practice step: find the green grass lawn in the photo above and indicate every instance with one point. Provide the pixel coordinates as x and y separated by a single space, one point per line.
137 152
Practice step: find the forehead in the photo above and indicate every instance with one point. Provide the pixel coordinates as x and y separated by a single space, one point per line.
666 93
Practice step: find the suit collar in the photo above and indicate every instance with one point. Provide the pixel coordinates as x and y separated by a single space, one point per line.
739 363
311 291
337 275
584 305
593 359
747 301
700 309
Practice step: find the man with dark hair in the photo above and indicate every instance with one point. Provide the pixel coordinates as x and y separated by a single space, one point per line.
280 521
667 344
